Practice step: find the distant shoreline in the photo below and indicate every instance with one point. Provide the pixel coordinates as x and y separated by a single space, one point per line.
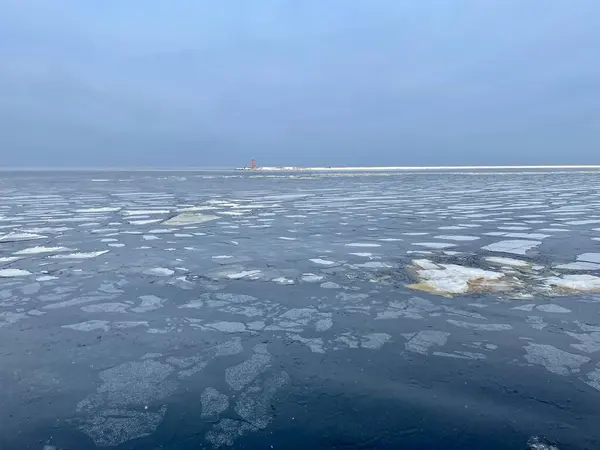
408 168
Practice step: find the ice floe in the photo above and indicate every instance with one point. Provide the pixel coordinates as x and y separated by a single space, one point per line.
507 261
80 255
159 272
453 279
9 273
517 247
189 218
38 250
584 283
17 237
323 262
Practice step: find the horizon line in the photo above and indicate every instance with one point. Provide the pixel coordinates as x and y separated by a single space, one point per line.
303 168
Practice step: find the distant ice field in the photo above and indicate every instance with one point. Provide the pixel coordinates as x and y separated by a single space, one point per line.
228 309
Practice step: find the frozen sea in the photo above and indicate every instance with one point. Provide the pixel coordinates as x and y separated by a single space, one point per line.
291 310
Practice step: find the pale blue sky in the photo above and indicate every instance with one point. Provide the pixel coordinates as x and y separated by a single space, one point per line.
323 82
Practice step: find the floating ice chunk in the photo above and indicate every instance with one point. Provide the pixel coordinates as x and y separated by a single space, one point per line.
285 238
552 308
311 278
375 341
425 264
80 255
535 443
150 237
507 261
583 222
589 257
228 327
527 235
373 265
17 237
213 402
363 255
584 283
422 341
323 262
102 209
314 344
518 247
415 234
457 238
149 303
8 259
435 244
363 244
481 326
189 218
144 222
146 212
106 307
252 274
46 278
528 307
37 250
9 273
90 325
579 266
282 280
553 359
222 257
159 272
330 285
452 279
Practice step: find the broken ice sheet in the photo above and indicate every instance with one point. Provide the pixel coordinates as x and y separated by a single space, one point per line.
453 279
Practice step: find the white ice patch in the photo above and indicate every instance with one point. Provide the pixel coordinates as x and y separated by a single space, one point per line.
90 325
8 259
9 273
579 266
363 244
589 257
46 278
103 209
373 265
322 262
159 272
80 255
282 280
553 359
146 212
37 250
454 279
457 237
251 274
189 218
311 278
516 247
552 308
575 282
439 245
507 261
17 237
144 222
363 255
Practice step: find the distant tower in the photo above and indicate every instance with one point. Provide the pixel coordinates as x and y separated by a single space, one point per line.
253 164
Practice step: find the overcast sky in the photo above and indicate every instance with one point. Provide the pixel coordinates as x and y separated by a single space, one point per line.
306 82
